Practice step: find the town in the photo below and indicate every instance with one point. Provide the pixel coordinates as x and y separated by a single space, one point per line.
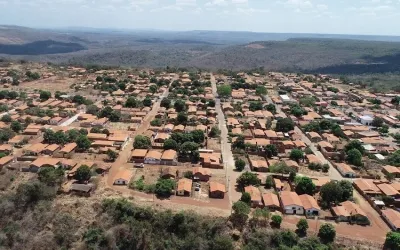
296 146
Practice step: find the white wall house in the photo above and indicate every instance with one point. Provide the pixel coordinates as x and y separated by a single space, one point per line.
366 120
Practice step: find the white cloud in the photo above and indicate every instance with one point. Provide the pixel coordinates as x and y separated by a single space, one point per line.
216 3
186 2
251 10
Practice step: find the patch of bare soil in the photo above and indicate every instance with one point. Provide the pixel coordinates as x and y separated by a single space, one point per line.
255 46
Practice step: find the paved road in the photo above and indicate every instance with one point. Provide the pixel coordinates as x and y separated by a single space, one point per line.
70 120
229 162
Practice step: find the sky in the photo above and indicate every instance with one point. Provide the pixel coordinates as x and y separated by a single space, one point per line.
372 17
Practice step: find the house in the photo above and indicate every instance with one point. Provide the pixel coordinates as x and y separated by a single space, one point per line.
68 148
123 177
168 173
4 161
388 190
271 201
260 165
278 184
35 149
310 205
367 187
211 160
313 159
184 187
217 190
153 157
202 174
41 162
49 150
391 170
349 211
169 157
161 137
169 128
392 217
256 199
6 149
366 120
314 137
81 189
291 203
138 155
345 170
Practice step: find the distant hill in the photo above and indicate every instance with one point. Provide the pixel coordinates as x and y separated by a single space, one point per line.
319 53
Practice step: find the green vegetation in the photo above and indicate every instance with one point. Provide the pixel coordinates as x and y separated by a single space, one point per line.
247 179
83 173
224 91
302 227
327 233
141 142
240 164
304 185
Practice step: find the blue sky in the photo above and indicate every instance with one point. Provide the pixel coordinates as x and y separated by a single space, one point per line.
376 17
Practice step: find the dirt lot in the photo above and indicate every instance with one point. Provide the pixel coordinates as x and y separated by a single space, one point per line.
214 144
304 170
89 157
122 125
53 84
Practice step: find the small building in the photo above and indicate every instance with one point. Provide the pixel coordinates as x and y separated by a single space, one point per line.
310 205
291 203
169 157
202 174
366 120
256 199
217 190
123 177
138 155
81 189
4 161
184 187
345 170
68 148
392 218
391 170
260 165
153 157
350 212
168 173
271 201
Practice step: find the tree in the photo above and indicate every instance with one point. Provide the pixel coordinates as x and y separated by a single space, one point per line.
6 118
179 105
271 150
141 142
189 147
247 179
182 118
156 122
131 102
115 116
347 188
112 155
147 102
327 233
302 227
246 198
271 108
297 111
284 125
354 157
394 159
214 132
170 144
276 220
83 142
211 103
354 144
45 95
51 176
83 173
240 213
222 243
331 192
261 90
16 126
296 155
105 112
164 187
269 182
166 103
392 240
240 164
255 106
92 109
377 122
153 89
304 185
224 90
